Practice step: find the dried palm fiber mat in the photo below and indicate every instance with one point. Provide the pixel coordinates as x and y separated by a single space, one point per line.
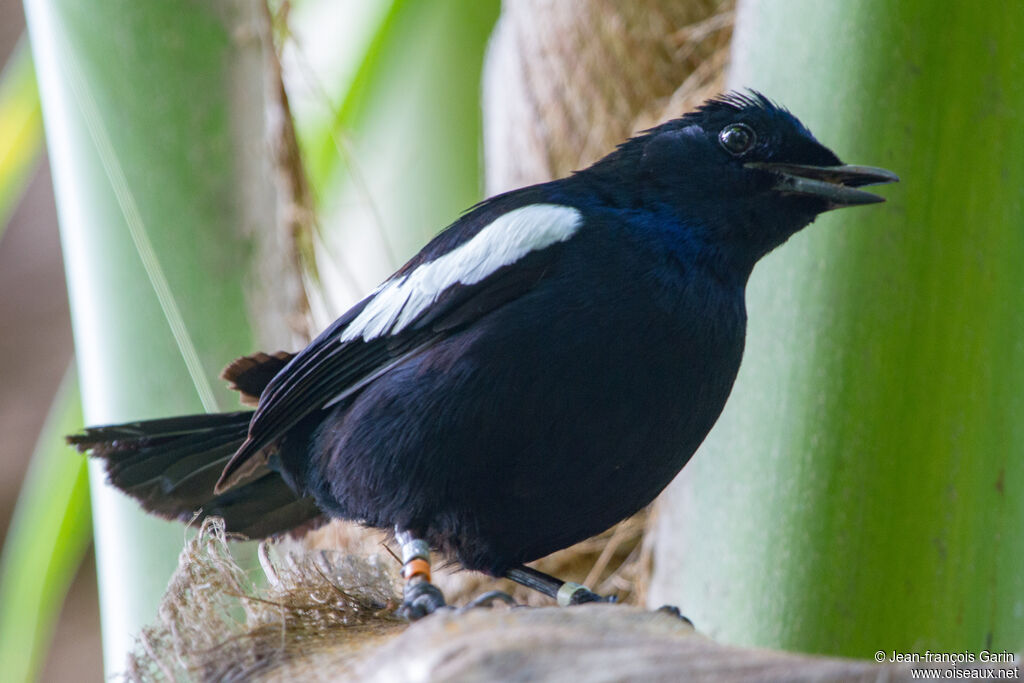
564 83
215 624
567 81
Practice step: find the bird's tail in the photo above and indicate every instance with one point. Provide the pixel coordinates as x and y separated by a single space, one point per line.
171 466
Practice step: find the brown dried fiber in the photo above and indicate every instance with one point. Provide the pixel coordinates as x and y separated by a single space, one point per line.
215 624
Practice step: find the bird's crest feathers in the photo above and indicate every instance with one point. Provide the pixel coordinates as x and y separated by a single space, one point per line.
732 106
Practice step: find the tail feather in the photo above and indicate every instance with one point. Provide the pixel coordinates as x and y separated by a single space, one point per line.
171 465
122 439
264 507
173 460
250 375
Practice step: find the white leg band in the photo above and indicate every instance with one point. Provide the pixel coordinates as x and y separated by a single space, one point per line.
567 591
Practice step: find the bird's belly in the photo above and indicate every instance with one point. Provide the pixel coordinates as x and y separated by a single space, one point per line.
504 449
603 453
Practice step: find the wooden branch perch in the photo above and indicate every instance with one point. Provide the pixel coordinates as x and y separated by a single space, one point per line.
327 617
587 643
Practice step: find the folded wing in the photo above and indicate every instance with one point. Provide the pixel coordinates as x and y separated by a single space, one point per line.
491 256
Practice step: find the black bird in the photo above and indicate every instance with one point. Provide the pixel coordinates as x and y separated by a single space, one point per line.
539 371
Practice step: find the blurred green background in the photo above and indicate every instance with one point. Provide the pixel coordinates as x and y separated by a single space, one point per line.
862 490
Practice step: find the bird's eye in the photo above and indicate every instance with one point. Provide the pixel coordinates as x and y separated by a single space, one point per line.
737 138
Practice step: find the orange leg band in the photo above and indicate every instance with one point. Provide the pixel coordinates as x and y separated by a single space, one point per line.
416 567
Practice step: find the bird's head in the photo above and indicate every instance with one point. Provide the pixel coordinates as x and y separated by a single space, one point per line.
741 172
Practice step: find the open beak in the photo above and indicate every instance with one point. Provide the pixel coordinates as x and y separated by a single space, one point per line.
835 184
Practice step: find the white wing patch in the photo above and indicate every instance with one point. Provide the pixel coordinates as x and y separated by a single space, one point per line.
509 238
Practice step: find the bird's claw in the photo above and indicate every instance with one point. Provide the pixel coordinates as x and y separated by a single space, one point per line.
673 611
488 599
577 594
585 595
420 599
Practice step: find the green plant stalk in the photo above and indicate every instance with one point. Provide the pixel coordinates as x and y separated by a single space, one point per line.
146 107
46 541
21 128
402 158
321 147
864 489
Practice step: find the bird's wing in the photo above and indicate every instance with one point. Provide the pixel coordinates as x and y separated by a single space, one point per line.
486 259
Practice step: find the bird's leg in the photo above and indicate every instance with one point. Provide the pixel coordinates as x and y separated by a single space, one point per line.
420 597
565 592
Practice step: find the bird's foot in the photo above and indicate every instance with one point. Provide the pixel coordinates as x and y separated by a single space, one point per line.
575 594
421 598
673 611
488 599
